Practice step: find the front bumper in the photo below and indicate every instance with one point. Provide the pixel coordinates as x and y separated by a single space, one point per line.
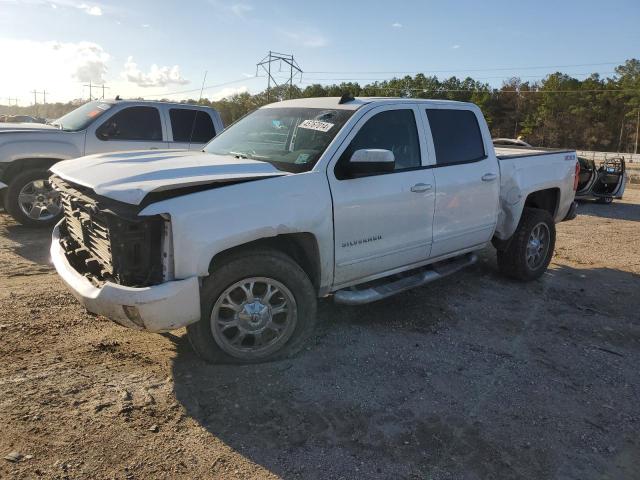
158 308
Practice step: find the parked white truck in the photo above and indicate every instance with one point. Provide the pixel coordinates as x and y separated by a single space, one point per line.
27 150
355 198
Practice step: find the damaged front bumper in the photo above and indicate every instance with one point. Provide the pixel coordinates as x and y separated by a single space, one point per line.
156 308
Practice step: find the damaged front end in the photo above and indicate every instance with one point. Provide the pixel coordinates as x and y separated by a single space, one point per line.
106 241
602 182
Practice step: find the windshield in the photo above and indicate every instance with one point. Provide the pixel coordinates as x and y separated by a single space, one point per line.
81 117
292 139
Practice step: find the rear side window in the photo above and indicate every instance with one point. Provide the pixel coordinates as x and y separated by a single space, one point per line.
191 126
393 130
456 136
133 123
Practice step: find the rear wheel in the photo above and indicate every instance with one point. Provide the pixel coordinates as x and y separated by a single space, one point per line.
530 250
256 306
32 201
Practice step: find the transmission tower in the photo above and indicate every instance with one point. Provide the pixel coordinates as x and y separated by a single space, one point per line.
275 57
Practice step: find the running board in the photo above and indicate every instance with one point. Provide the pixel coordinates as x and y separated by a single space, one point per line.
433 272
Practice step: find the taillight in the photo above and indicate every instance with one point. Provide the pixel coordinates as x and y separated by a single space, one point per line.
576 177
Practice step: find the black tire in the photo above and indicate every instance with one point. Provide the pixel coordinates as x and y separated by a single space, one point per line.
270 264
512 261
605 200
12 205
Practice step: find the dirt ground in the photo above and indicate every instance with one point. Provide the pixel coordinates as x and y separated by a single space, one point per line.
475 377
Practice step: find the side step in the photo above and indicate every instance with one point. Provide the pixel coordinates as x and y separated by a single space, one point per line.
433 272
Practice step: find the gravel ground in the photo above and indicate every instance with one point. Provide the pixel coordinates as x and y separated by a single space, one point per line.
474 377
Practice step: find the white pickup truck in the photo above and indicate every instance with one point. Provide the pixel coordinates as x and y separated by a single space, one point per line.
355 198
27 150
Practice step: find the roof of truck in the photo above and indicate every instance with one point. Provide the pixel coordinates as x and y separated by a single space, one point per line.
113 101
334 102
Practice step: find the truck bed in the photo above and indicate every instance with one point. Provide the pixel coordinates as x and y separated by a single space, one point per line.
505 153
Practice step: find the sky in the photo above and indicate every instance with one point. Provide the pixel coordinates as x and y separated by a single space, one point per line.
156 49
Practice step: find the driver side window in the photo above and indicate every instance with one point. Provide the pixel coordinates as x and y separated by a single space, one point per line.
393 130
133 123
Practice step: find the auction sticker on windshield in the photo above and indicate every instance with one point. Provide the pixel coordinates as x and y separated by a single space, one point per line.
316 125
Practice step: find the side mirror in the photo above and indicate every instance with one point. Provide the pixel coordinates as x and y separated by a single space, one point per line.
372 160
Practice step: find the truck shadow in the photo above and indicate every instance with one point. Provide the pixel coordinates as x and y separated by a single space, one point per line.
29 243
616 210
449 380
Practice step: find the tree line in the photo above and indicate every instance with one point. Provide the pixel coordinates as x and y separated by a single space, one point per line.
559 111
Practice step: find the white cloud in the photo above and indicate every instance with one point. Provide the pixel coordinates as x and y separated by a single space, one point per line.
241 9
306 40
157 76
455 47
90 9
396 25
146 25
94 10
60 67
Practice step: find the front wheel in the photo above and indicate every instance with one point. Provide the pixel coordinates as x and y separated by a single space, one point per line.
257 306
529 252
31 200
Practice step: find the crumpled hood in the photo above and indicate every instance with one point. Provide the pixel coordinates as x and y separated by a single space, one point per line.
130 176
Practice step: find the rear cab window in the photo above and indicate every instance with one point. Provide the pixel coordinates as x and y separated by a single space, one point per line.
191 125
456 136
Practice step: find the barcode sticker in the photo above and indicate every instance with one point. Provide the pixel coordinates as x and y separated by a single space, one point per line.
316 125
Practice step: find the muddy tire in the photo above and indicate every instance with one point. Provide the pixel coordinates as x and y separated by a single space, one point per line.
256 306
31 201
530 250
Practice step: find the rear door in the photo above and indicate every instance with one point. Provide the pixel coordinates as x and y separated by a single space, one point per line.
189 128
131 128
382 222
467 179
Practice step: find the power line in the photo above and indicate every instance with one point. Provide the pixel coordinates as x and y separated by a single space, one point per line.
472 69
373 79
207 87
495 90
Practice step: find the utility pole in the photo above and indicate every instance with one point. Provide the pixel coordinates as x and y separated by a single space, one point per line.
35 97
621 130
265 64
103 89
637 130
44 96
90 86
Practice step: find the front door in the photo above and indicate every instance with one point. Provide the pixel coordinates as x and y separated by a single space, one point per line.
132 128
382 222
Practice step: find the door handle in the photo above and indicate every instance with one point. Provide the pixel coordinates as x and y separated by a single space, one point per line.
489 177
154 148
421 187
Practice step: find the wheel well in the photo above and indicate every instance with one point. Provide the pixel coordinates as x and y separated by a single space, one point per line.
19 166
544 200
301 247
